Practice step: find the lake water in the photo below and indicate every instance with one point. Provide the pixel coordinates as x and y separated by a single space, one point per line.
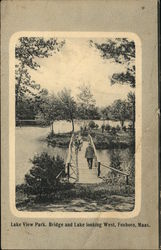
29 141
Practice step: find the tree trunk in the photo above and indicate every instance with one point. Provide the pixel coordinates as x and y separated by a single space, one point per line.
52 129
77 169
122 124
72 125
18 84
133 126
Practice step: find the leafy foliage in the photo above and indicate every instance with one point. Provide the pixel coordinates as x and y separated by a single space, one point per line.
92 125
26 108
123 78
30 107
48 106
67 106
121 110
86 103
27 50
115 160
122 51
43 178
131 106
85 96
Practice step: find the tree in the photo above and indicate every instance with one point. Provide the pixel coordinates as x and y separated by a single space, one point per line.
121 51
26 109
120 111
86 103
49 108
26 51
115 160
131 108
43 177
67 106
106 113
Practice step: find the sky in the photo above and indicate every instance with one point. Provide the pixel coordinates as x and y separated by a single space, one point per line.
76 64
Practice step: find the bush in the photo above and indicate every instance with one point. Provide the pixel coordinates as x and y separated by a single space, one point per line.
113 130
124 128
43 178
118 128
130 127
92 125
107 127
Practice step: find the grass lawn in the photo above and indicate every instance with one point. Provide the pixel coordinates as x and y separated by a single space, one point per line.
81 198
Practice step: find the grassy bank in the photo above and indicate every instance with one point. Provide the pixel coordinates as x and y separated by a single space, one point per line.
79 197
59 140
106 140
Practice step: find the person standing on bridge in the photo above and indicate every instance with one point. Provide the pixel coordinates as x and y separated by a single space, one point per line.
89 155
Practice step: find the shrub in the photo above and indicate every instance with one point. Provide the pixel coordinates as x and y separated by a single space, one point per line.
130 126
92 125
118 128
43 178
113 130
124 128
115 160
107 127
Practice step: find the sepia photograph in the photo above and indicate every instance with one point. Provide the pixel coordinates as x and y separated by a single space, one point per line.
75 124
79 125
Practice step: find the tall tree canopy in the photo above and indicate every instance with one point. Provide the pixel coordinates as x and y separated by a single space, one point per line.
106 113
26 51
122 51
67 106
131 107
121 110
86 103
48 106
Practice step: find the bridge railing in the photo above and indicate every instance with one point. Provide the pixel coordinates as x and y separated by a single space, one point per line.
117 171
97 160
99 164
69 157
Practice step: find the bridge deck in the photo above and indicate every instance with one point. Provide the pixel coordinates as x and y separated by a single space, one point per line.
86 175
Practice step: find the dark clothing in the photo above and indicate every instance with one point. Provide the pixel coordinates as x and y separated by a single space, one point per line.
89 152
89 155
90 162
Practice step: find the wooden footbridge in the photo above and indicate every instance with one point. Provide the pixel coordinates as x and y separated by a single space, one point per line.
77 169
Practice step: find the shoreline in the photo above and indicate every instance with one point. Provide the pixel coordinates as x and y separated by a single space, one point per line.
120 140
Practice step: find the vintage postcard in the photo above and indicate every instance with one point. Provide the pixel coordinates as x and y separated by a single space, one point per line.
78 118
80 161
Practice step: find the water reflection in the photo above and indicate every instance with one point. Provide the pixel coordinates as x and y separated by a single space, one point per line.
121 159
29 142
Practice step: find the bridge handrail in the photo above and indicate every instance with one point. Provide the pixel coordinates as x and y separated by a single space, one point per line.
59 173
116 170
69 150
98 160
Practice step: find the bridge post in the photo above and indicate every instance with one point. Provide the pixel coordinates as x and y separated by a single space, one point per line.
68 170
99 168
